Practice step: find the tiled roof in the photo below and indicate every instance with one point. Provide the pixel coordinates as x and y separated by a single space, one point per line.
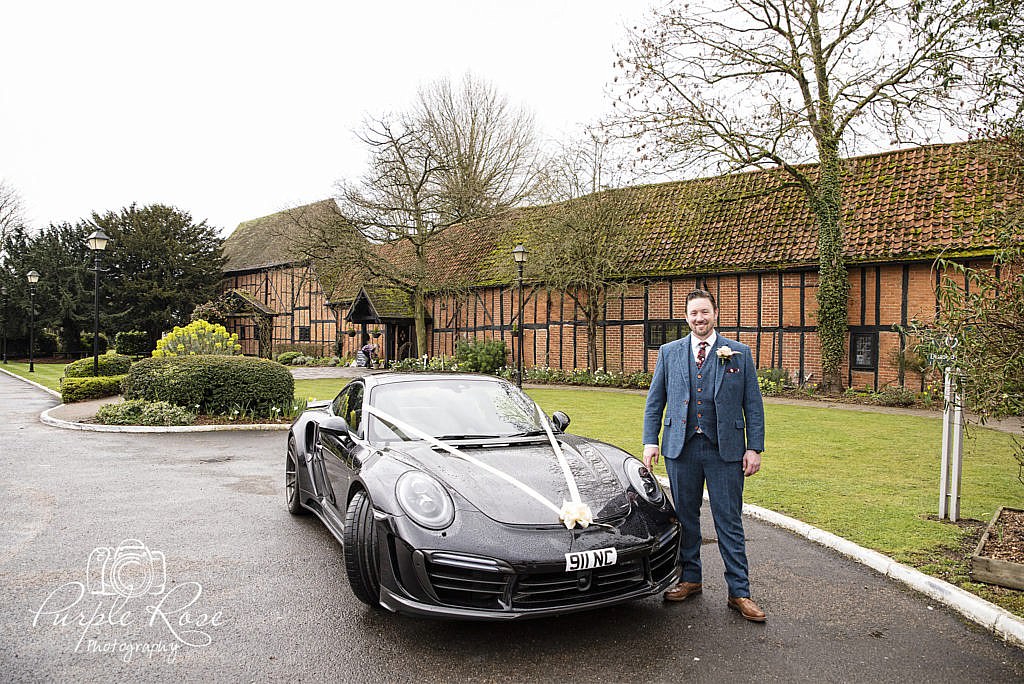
903 205
388 302
264 242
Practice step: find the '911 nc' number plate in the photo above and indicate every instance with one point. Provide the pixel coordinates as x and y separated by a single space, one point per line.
588 560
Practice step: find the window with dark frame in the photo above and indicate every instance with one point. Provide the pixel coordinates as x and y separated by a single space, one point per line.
864 351
657 333
241 332
303 333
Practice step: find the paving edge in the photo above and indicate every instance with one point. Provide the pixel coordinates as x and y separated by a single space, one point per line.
997 620
47 419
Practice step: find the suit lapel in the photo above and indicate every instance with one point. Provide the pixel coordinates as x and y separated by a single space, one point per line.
720 370
684 362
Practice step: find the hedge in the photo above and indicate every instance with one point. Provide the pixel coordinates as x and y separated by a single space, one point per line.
110 364
140 412
74 389
211 384
133 343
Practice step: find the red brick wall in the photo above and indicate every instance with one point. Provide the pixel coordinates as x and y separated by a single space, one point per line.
779 325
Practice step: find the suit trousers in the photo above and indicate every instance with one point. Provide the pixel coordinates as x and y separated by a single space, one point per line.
700 463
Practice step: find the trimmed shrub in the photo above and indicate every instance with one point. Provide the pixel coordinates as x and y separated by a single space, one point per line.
198 338
132 343
141 412
82 389
480 356
287 357
110 364
211 384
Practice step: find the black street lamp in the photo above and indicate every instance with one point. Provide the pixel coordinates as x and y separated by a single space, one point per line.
3 292
519 255
33 278
97 242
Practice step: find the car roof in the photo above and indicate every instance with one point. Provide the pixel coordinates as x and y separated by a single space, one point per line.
389 378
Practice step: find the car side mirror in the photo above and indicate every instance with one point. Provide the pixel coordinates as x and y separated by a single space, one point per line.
560 420
336 426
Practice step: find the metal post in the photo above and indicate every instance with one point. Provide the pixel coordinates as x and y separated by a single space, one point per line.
947 411
96 314
519 349
4 293
956 455
31 327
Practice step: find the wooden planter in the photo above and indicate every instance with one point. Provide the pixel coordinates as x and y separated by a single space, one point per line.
994 570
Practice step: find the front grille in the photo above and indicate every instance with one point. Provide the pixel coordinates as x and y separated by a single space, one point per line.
466 581
550 589
663 559
473 582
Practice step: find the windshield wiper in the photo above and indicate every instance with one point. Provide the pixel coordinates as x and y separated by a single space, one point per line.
467 436
529 433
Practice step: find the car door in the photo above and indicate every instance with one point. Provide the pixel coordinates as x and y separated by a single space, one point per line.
339 451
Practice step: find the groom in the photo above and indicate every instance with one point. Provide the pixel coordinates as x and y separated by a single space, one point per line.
706 395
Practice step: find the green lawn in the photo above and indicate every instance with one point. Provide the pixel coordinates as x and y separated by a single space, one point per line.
46 374
49 374
872 478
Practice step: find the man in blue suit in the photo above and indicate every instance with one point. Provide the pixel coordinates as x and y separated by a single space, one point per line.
705 395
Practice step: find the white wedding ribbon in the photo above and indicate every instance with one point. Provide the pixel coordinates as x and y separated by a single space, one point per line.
571 513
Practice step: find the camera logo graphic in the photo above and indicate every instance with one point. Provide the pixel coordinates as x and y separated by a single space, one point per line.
130 570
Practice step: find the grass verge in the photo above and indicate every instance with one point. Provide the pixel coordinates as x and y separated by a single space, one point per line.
46 374
872 478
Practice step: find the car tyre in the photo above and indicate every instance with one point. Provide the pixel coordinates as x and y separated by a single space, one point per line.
291 480
360 543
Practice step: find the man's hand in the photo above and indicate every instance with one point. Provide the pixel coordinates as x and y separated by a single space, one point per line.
651 453
751 462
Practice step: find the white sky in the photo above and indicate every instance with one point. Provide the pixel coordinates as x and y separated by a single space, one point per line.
234 110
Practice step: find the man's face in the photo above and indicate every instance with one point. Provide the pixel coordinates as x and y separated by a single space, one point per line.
701 317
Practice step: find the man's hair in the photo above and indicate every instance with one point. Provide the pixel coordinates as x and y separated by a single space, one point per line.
701 294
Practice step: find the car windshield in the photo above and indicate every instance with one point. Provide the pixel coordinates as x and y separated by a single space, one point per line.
451 409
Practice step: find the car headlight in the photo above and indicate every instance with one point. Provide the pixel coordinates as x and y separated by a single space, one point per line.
644 482
424 500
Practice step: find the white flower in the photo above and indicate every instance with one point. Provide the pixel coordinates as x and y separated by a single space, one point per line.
724 353
575 512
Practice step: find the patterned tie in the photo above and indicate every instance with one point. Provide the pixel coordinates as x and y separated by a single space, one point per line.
701 354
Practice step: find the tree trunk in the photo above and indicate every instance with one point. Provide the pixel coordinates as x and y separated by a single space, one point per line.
833 286
592 311
420 313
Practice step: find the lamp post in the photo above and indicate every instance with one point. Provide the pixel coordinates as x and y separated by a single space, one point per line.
33 278
3 293
519 255
97 242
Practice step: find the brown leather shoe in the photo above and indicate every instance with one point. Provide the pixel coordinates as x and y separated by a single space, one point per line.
748 609
683 591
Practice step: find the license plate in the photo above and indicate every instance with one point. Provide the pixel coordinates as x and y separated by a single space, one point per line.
588 560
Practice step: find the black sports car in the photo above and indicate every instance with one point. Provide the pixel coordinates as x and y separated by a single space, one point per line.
455 496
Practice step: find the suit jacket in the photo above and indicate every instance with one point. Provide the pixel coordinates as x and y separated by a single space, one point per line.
737 400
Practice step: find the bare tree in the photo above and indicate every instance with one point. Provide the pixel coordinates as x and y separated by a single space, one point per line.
455 155
582 243
12 209
754 83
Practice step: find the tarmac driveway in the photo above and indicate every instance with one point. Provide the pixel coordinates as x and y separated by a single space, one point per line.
238 590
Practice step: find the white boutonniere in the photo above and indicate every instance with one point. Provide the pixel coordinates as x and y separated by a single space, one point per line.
725 353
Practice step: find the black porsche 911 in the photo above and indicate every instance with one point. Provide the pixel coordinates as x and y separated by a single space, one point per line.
454 496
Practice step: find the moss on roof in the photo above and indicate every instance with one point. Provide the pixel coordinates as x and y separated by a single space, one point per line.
264 242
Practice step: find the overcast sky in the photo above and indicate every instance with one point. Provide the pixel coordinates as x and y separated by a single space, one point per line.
235 110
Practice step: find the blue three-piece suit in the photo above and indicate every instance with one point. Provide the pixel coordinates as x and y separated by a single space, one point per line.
707 418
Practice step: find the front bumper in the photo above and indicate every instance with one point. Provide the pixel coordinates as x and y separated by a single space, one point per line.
520 573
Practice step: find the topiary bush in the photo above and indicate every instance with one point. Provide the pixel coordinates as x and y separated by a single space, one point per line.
84 388
211 384
480 356
110 364
287 357
198 338
132 343
141 412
